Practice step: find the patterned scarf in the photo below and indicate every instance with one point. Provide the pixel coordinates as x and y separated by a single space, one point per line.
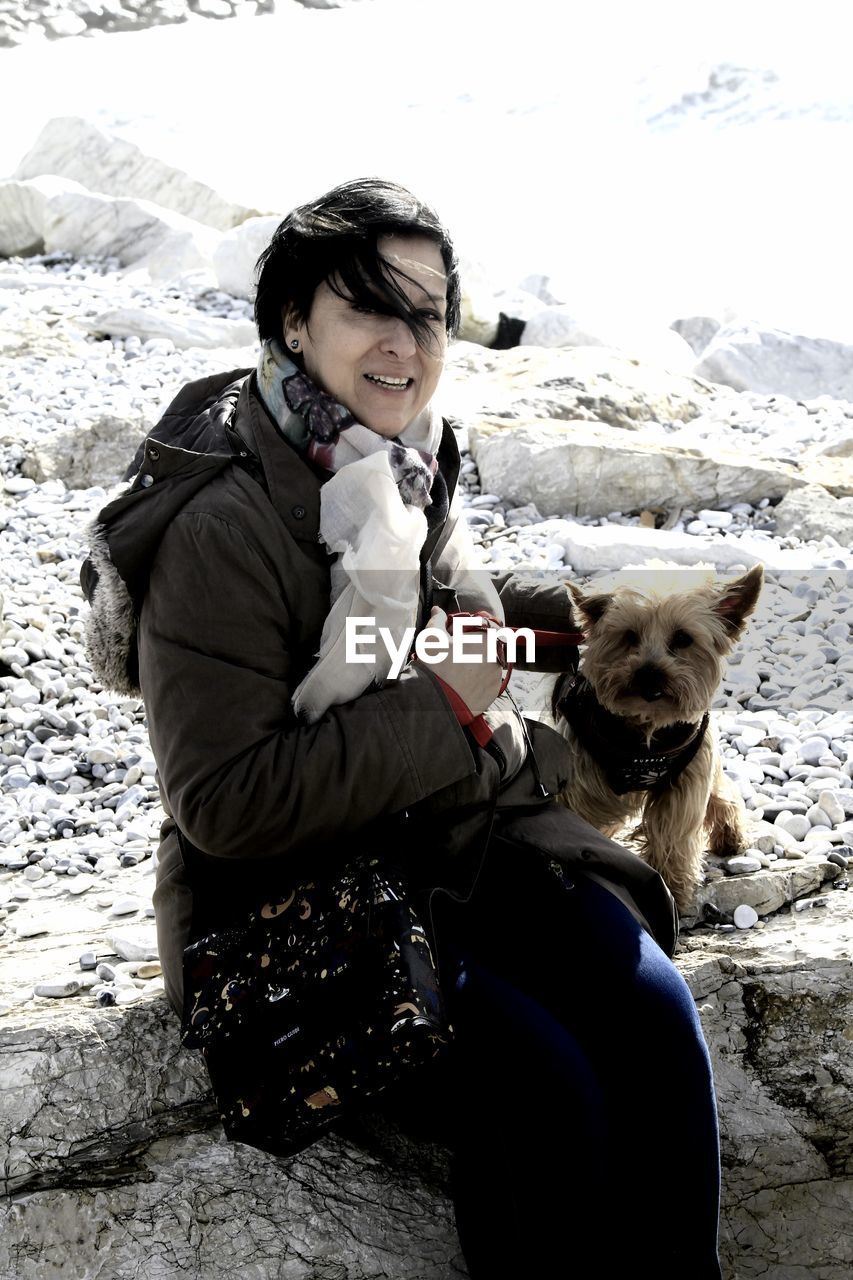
371 517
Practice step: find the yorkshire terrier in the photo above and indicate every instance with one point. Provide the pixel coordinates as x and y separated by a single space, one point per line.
637 719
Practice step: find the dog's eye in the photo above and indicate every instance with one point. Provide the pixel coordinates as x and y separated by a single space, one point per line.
631 638
680 640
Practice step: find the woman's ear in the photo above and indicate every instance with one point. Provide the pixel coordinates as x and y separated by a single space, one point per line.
292 330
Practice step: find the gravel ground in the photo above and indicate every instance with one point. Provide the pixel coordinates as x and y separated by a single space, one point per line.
78 796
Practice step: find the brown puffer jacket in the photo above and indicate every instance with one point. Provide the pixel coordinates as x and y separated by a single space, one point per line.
209 587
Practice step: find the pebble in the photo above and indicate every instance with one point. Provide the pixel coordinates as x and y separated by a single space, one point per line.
745 916
32 928
796 824
832 807
57 987
742 864
125 906
134 948
808 904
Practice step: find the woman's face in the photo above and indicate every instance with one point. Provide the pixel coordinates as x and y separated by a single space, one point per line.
371 362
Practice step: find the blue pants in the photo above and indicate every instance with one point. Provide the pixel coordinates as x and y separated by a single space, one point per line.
586 1140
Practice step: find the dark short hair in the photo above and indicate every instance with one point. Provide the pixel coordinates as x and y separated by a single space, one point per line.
335 238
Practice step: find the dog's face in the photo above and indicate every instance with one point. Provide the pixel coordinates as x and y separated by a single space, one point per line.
656 657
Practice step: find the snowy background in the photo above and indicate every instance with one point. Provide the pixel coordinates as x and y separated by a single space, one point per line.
665 158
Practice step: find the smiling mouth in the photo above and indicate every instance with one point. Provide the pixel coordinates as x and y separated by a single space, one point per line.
388 383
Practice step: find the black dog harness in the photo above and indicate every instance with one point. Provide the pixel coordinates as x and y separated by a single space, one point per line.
628 761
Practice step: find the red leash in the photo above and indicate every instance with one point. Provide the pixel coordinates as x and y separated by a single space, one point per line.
549 639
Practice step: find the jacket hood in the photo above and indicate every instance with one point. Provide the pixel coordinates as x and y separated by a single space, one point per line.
127 532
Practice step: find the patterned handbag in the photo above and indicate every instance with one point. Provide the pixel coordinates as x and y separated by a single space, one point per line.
323 998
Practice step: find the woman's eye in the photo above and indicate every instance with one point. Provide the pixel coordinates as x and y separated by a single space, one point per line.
365 311
433 317
680 640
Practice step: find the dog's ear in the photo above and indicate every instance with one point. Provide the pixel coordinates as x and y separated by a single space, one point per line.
738 599
593 607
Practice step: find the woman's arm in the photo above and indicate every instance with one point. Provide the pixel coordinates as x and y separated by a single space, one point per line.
241 777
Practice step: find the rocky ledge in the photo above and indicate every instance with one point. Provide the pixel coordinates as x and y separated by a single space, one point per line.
115 1166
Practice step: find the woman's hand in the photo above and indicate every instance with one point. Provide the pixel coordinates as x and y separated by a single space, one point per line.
477 682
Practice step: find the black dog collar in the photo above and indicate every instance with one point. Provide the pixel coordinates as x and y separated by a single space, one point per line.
628 761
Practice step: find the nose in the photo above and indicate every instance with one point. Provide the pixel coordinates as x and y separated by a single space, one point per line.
648 683
397 339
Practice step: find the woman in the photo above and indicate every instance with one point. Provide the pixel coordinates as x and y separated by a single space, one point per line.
578 1073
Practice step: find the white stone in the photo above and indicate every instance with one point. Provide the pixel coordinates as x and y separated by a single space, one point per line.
141 944
77 149
751 358
134 231
58 987
742 864
812 512
716 519
832 807
796 824
589 469
22 212
745 916
237 252
187 330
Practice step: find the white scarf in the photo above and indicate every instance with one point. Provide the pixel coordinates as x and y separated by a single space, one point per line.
371 518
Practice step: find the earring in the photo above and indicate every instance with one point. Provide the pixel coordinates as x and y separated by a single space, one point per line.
294 342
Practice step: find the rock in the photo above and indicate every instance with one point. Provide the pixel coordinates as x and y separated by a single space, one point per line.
22 212
97 454
584 469
605 548
697 331
137 1106
557 326
581 384
811 512
745 916
742 864
57 987
140 944
134 231
796 824
190 330
237 252
71 147
775 1021
751 358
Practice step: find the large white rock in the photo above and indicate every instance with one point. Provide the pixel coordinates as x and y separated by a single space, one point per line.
610 548
96 454
238 251
22 212
583 468
192 329
591 384
751 358
134 231
76 148
811 512
558 326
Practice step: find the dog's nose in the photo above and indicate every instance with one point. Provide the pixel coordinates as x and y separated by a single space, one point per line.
648 683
